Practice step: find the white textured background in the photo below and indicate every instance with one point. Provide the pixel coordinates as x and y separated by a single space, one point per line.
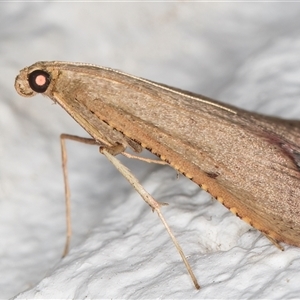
246 54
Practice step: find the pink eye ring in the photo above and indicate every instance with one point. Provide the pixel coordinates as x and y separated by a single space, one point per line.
39 81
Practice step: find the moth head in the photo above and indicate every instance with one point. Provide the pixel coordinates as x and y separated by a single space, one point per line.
33 80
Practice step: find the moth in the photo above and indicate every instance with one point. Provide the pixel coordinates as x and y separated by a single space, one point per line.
247 161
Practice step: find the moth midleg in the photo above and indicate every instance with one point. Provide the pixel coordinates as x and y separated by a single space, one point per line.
151 202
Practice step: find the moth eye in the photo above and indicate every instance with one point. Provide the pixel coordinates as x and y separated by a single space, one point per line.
39 81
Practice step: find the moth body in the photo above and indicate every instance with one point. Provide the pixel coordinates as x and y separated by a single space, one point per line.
247 161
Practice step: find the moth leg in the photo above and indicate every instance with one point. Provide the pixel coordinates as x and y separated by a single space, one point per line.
151 202
147 160
115 150
64 137
120 149
275 242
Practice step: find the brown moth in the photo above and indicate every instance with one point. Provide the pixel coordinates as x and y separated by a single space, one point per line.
247 161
